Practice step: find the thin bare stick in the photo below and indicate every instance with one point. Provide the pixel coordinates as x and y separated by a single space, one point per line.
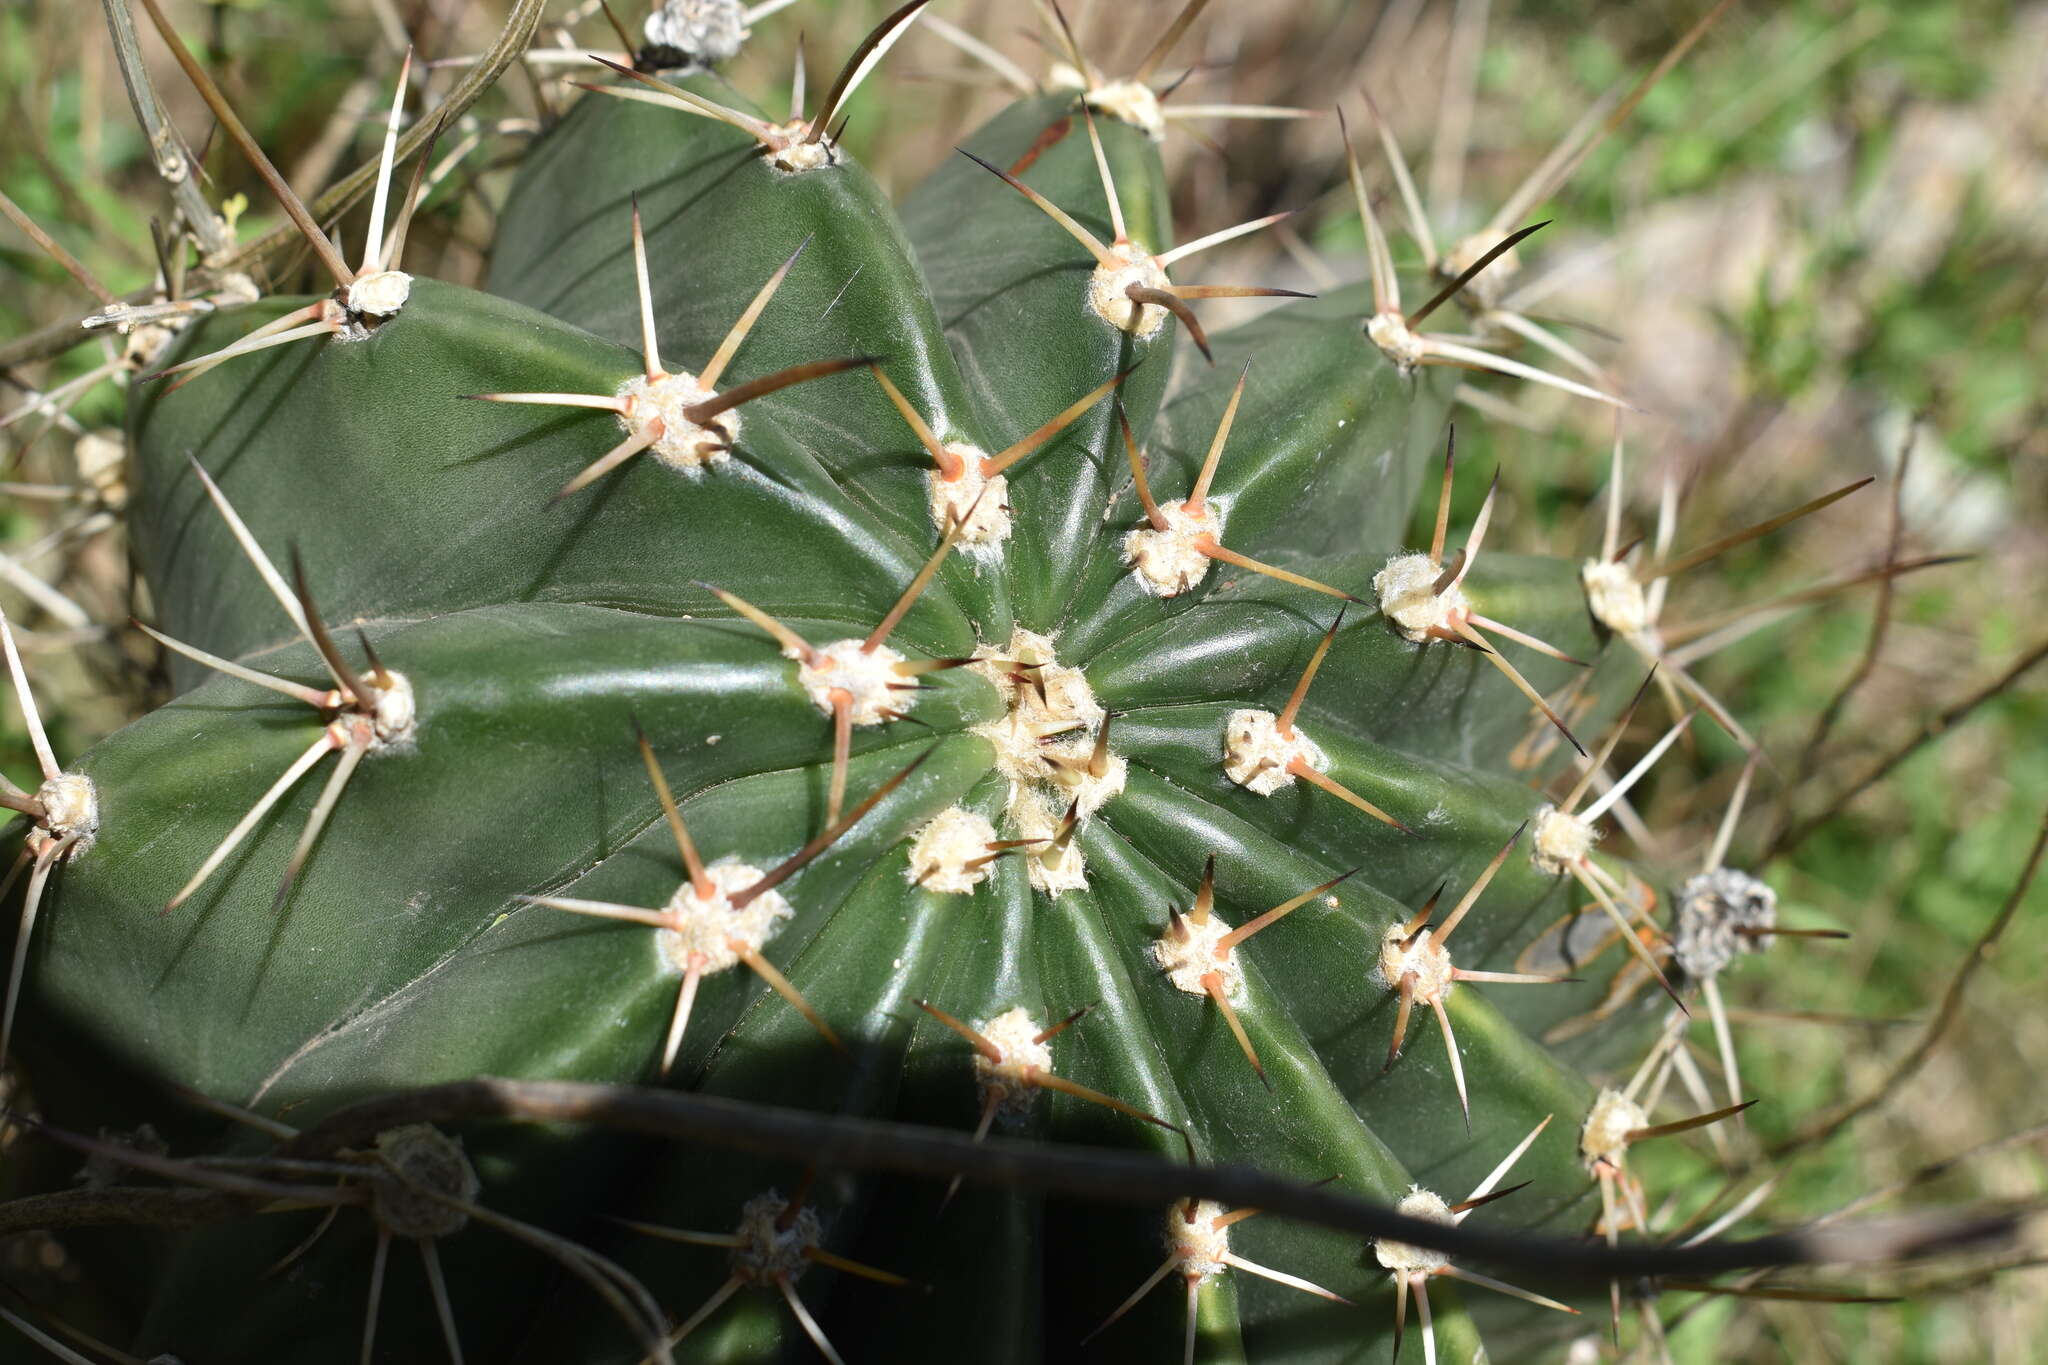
1635 774
1082 1092
632 914
379 1259
1065 33
650 345
1418 219
49 1343
1456 352
437 1285
842 752
1125 1178
1168 37
1628 934
1908 1066
1526 640
622 1293
1406 990
56 252
1234 291
1880 622
1212 982
1468 555
1940 724
31 900
974 1036
1686 1125
1718 853
1386 285
922 580
1537 190
262 339
1739 621
860 1268
607 402
1502 1287
661 93
1183 112
1151 1283
217 102
1443 1020
265 568
1138 479
1598 763
172 158
1018 78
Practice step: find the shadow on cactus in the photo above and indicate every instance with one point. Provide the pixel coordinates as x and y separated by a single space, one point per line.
784 573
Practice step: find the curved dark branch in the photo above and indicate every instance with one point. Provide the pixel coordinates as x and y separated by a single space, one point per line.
145 1206
1120 1177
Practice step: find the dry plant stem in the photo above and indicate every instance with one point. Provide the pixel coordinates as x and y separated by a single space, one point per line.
1115 1176
172 157
1934 1170
304 221
55 250
134 1206
520 23
1880 624
1791 835
1944 1019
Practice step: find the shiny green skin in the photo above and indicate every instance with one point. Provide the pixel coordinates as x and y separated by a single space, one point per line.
536 634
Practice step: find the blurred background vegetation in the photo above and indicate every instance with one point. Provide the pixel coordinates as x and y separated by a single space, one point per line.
1822 241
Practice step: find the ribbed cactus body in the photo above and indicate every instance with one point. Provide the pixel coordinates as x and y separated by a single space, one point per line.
536 633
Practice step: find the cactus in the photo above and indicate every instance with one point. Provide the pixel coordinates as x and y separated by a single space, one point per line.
791 649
